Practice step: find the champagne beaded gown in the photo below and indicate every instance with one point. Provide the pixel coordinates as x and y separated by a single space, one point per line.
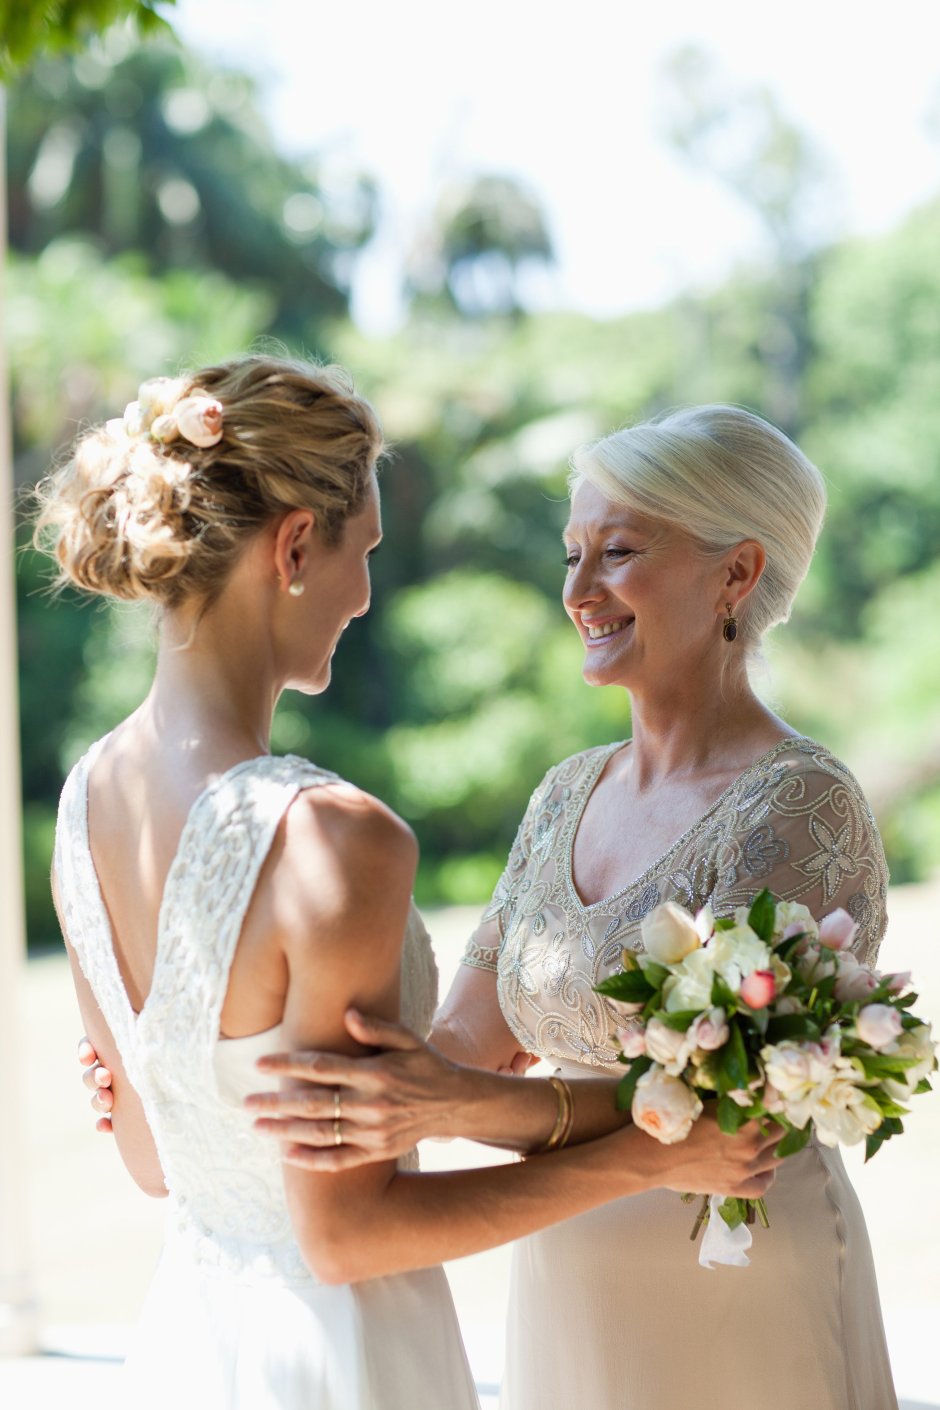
234 1320
611 1309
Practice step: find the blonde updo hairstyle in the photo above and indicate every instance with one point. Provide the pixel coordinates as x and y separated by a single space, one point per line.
721 475
132 517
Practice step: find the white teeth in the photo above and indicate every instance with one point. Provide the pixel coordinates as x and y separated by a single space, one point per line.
606 630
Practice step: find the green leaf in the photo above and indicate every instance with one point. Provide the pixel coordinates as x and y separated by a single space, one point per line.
627 1085
761 915
922 1086
680 1021
656 974
732 1062
725 923
733 1211
791 1025
875 1141
629 988
793 1141
731 1117
722 997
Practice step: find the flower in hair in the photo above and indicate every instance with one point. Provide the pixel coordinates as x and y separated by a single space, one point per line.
199 420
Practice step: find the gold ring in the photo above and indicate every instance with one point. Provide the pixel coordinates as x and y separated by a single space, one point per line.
337 1133
337 1105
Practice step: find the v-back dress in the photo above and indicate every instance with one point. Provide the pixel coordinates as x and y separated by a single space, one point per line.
611 1309
234 1319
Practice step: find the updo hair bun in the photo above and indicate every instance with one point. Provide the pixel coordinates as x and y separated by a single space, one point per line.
720 474
157 505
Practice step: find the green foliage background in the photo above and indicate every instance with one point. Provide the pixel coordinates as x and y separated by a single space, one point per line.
155 226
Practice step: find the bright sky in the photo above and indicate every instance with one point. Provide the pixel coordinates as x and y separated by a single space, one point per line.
421 93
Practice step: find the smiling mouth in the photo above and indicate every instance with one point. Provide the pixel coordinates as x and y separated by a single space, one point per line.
600 633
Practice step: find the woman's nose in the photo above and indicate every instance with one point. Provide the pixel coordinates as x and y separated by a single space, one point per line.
580 587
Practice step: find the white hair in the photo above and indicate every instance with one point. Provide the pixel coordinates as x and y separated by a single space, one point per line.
722 475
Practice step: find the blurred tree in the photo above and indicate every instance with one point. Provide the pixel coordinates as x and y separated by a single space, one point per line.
484 239
144 147
32 27
743 139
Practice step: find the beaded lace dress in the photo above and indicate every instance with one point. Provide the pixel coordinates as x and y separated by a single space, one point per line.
611 1309
234 1319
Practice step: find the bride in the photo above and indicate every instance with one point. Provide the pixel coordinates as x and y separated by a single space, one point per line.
218 903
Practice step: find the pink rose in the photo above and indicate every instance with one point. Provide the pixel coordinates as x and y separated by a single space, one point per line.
878 1025
709 1031
199 419
837 931
854 982
632 1042
758 988
898 981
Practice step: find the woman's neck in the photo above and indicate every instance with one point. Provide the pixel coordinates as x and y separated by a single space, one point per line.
214 691
694 729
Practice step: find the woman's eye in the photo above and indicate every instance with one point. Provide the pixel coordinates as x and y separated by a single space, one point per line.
570 560
618 552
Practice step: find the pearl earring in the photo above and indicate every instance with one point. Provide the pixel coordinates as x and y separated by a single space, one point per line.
296 588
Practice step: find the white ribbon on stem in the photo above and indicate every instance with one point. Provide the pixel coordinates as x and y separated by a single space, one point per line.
721 1244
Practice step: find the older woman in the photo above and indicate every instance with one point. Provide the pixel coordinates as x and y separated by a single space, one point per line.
686 542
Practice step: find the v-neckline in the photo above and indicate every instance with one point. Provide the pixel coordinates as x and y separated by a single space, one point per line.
588 907
133 1016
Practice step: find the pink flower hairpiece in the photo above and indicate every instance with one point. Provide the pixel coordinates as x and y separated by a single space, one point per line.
160 414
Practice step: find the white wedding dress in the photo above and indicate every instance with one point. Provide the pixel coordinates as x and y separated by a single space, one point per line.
234 1320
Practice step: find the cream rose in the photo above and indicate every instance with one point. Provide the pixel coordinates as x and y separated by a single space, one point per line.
667 1047
737 953
199 419
710 1030
664 1107
669 934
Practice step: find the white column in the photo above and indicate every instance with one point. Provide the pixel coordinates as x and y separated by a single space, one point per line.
18 1315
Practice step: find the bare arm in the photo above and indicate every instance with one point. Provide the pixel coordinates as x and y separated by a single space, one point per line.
341 924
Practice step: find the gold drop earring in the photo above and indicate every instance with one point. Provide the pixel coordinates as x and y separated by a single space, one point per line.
729 627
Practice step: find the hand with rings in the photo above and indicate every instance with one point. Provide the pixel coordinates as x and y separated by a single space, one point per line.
346 1111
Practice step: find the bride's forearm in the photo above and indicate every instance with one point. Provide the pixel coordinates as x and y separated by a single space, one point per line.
419 1220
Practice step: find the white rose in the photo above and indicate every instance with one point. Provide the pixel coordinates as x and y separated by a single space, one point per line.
792 918
916 1043
669 934
690 984
667 1047
664 1106
737 953
878 1025
842 1112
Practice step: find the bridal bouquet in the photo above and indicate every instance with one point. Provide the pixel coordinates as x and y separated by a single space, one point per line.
771 1014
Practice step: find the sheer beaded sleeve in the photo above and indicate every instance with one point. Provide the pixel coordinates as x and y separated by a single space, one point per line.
484 945
809 836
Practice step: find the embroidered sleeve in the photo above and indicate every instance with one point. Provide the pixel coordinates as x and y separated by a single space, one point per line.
484 945
809 836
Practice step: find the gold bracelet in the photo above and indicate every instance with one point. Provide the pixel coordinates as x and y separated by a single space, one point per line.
564 1121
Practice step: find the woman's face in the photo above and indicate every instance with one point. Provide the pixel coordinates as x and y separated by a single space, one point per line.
644 598
336 589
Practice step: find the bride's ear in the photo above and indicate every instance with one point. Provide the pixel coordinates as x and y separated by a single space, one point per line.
293 538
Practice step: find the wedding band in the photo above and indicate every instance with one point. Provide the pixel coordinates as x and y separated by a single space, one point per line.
337 1133
337 1108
